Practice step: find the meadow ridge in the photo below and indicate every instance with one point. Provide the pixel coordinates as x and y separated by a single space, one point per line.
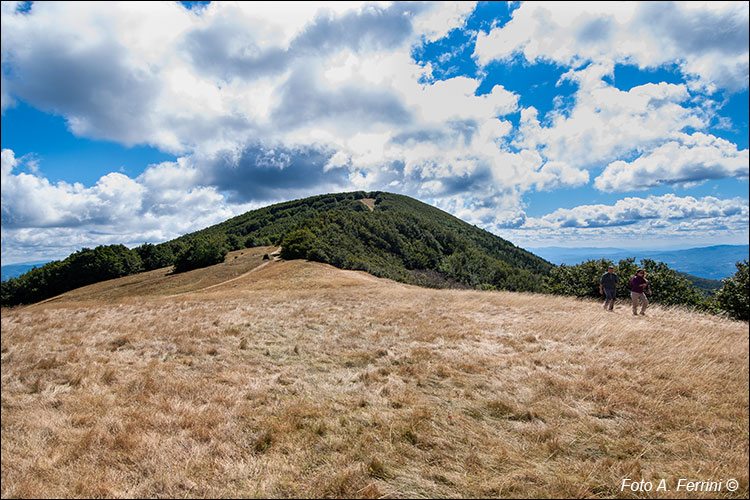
265 378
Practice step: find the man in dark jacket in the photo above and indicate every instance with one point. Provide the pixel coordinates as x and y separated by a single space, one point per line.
608 287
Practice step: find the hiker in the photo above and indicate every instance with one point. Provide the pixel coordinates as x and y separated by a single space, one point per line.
638 289
608 287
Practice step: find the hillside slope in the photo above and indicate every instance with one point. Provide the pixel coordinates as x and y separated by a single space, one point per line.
161 282
387 235
299 379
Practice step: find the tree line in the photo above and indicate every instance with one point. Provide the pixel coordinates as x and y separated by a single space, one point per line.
105 262
668 286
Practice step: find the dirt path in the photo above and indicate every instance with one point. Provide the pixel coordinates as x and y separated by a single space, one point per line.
230 280
274 256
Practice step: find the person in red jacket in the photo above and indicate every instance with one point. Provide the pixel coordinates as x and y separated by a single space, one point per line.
638 290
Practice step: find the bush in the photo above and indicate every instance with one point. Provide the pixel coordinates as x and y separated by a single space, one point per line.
199 253
734 296
668 287
297 244
582 280
155 256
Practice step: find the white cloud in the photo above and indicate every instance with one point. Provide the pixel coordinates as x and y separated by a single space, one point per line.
606 123
162 75
158 205
689 159
709 40
445 16
632 210
32 201
494 213
653 221
555 174
234 76
647 122
269 101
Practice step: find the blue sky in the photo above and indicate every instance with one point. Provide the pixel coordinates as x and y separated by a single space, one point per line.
549 124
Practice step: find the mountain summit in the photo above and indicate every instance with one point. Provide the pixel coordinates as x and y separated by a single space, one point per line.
388 235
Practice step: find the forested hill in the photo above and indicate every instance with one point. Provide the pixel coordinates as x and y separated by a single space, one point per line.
387 235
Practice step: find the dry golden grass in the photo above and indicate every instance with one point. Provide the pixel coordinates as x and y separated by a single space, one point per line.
301 380
161 282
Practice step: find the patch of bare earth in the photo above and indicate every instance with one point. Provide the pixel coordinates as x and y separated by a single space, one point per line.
302 380
369 203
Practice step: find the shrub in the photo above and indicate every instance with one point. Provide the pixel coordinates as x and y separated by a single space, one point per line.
155 256
297 244
199 253
582 280
734 296
668 287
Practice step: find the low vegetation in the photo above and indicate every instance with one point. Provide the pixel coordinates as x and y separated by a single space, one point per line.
668 286
199 253
297 379
734 296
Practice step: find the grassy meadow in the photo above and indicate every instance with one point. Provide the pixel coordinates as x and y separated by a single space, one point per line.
260 378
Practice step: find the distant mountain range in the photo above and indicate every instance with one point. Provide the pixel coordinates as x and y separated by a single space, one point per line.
714 262
16 270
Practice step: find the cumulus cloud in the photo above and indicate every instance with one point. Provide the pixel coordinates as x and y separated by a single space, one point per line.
689 159
179 80
708 40
160 204
638 222
305 100
32 201
647 122
262 102
606 123
100 58
632 210
495 213
241 41
237 82
234 77
258 172
555 174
